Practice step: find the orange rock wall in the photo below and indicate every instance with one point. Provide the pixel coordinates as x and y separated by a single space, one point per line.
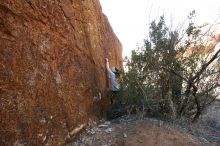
52 68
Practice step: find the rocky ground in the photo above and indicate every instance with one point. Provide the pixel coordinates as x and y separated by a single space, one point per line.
208 127
136 131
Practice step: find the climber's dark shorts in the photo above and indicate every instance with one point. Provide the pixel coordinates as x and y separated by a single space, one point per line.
115 92
112 94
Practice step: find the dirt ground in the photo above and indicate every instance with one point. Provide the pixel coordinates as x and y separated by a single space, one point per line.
129 131
134 131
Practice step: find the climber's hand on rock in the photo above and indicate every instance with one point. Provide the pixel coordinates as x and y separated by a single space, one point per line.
106 59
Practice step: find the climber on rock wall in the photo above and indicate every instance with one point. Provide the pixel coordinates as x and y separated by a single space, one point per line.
113 75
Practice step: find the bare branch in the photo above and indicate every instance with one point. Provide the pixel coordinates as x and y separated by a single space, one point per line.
204 66
213 99
172 71
205 76
210 89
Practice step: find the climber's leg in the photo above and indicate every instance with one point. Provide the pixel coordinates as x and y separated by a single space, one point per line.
110 94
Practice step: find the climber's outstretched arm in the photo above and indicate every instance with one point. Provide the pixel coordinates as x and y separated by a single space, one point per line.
108 68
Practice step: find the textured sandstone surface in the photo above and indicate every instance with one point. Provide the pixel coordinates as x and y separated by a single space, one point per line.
52 68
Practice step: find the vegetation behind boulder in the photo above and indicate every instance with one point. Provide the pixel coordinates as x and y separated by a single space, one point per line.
175 74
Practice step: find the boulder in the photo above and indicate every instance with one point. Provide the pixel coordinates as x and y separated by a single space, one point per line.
52 68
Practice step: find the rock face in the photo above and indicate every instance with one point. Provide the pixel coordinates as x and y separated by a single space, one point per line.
52 69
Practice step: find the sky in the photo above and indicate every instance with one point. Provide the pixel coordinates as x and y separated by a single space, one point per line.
130 18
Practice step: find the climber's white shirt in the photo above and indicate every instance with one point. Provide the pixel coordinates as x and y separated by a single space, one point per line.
114 82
